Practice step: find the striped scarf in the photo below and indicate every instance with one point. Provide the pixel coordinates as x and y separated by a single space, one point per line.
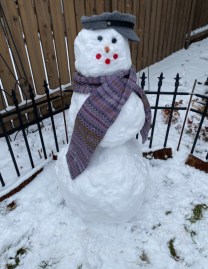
108 94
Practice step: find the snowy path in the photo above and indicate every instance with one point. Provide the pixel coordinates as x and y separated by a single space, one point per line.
54 237
51 234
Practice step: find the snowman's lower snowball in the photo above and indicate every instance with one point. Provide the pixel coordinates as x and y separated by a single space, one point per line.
112 187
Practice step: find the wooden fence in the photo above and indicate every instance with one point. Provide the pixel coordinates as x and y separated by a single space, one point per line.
44 32
200 15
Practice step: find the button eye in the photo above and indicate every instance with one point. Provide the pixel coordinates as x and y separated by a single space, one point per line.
99 37
114 40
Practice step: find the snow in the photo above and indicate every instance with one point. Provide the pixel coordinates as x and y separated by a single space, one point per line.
199 30
54 235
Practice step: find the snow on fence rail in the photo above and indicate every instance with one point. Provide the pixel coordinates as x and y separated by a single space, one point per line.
37 119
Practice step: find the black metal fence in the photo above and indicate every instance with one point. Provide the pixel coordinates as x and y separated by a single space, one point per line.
22 127
172 108
38 119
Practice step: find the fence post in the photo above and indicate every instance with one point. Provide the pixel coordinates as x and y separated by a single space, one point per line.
2 181
172 108
143 80
156 106
9 145
142 86
22 127
36 116
51 114
199 129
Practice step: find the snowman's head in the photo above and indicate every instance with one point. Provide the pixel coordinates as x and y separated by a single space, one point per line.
101 52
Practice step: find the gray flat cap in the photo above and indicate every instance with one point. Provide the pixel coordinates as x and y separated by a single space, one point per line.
122 23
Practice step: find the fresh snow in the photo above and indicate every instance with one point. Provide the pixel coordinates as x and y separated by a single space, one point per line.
55 237
199 30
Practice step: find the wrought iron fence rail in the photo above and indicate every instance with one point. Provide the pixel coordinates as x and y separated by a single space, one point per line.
30 106
169 107
167 93
199 112
30 123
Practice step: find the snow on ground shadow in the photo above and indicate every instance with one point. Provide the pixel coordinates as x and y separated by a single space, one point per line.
37 230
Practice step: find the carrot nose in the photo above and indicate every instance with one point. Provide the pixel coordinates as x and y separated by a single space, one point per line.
107 49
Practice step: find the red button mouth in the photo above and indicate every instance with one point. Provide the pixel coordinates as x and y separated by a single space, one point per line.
107 61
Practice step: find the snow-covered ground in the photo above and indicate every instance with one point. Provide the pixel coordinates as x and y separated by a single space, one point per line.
49 235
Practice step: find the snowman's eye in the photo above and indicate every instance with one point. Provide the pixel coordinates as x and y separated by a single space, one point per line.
99 37
114 40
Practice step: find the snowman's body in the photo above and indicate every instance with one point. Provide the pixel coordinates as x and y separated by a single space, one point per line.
112 187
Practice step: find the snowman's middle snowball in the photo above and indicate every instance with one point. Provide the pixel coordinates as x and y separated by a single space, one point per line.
129 122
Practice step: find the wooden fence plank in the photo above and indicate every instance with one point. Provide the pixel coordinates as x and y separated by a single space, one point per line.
202 13
175 28
89 8
79 11
162 30
166 30
190 25
33 45
205 14
152 30
134 45
121 6
12 17
44 25
197 16
170 35
8 126
129 7
185 28
108 6
146 33
128 10
140 34
114 5
59 38
180 23
99 6
157 30
71 30
6 76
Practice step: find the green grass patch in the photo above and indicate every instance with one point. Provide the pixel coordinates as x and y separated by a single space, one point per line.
155 226
173 253
79 267
144 257
168 212
46 264
198 212
21 252
192 233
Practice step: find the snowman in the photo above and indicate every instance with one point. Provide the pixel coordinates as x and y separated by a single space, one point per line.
102 173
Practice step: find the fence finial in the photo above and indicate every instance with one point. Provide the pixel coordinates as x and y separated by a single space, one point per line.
143 80
160 79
